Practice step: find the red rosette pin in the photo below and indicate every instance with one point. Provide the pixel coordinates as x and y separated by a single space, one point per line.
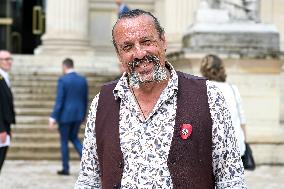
185 131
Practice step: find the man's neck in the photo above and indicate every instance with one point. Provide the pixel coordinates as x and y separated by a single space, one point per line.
147 95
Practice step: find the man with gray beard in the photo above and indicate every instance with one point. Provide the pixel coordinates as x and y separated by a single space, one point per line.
156 127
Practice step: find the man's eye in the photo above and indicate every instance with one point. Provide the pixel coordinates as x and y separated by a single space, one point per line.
146 42
126 47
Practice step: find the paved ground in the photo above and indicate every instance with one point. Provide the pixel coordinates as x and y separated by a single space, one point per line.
41 175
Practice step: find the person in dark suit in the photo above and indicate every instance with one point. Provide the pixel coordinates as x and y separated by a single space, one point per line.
122 8
7 113
69 110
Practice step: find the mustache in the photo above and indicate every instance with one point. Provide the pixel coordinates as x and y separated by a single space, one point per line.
147 58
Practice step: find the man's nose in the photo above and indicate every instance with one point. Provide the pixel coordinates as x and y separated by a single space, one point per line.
139 52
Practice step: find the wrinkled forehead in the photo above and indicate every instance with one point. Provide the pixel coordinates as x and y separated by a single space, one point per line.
139 26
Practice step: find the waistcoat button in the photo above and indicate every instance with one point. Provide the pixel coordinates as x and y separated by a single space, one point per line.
120 165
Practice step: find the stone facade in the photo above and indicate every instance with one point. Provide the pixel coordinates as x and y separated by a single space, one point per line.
226 27
66 28
94 19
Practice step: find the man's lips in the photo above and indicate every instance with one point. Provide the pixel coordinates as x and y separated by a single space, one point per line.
143 68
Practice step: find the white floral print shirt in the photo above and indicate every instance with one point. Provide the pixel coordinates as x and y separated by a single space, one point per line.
145 144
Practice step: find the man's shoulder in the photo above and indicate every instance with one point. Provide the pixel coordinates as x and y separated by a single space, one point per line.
108 87
79 76
110 83
189 76
72 75
1 81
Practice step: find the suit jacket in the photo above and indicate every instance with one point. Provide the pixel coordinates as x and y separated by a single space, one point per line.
72 98
7 113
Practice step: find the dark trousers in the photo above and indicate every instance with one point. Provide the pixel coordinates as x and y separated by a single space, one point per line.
69 131
3 152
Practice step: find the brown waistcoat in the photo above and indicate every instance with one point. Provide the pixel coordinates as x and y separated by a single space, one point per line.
189 161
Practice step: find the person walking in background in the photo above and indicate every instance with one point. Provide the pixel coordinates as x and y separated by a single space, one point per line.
122 8
69 110
212 67
156 127
7 112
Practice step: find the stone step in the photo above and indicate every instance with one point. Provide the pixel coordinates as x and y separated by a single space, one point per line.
20 82
95 64
35 128
51 84
31 84
39 152
40 137
40 156
34 77
48 104
33 90
31 120
42 97
33 111
53 77
28 128
53 146
46 91
34 104
34 97
42 120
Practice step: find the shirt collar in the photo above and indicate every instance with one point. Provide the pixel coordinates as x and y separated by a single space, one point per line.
70 71
122 86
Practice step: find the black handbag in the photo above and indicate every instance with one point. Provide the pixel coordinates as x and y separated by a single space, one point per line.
247 158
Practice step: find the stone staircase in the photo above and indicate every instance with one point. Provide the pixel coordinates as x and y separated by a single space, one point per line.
34 92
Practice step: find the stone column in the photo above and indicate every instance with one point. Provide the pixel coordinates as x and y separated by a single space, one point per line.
175 16
66 28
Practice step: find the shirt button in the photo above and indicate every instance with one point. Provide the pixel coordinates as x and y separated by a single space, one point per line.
116 186
173 161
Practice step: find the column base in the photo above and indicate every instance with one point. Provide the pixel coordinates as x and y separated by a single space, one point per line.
64 50
64 47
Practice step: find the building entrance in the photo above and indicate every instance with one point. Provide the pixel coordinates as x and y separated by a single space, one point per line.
22 22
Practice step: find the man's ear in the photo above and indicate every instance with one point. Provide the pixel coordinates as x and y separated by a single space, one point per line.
165 44
118 56
121 62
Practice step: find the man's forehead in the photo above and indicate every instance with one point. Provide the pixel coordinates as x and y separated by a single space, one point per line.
135 22
140 26
4 54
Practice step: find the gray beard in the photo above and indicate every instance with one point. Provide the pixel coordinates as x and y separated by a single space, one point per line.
159 73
